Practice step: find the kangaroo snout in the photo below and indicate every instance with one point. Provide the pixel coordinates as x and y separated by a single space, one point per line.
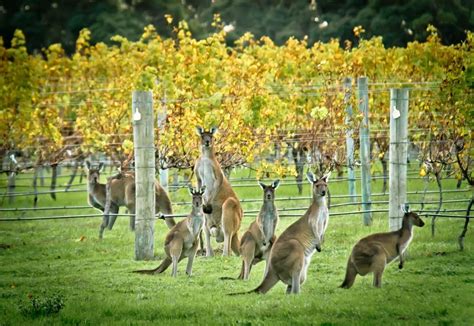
318 247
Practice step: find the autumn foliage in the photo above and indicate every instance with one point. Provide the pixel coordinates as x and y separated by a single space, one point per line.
260 95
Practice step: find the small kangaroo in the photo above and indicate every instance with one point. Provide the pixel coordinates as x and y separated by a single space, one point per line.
221 205
183 239
257 241
374 252
95 189
291 254
120 191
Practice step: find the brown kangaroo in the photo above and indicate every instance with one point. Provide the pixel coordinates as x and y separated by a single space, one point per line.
291 254
95 189
374 252
257 241
183 239
120 191
221 205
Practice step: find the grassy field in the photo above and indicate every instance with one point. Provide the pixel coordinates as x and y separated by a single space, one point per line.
92 279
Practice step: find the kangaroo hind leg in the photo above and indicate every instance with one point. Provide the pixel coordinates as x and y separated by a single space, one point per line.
105 222
114 209
351 274
235 243
268 282
248 252
176 248
295 282
378 267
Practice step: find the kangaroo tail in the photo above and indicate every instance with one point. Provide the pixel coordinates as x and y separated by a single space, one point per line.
228 278
351 274
268 282
160 269
108 197
167 209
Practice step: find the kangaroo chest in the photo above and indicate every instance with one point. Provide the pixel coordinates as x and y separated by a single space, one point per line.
208 176
404 244
323 214
268 224
94 193
313 233
309 251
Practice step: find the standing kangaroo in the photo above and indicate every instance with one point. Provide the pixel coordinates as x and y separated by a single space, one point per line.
323 218
95 190
120 191
374 252
257 241
221 205
183 239
291 253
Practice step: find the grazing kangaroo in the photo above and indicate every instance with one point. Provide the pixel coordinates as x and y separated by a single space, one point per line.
291 254
95 189
257 241
221 205
183 239
120 190
374 252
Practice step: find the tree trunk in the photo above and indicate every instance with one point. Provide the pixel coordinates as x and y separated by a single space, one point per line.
54 179
440 202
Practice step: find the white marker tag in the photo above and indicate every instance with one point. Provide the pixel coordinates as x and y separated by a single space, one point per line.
12 157
137 116
395 113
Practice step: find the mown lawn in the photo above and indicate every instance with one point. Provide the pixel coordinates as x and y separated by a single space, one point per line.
47 259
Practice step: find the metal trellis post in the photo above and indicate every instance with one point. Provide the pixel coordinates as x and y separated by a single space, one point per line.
363 100
349 139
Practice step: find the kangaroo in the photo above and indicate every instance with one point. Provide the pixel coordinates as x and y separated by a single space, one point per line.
95 189
374 252
323 219
257 241
291 253
183 239
120 191
221 205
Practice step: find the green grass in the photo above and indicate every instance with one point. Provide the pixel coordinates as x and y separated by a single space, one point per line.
48 258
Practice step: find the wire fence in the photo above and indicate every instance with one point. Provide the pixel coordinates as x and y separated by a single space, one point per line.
341 203
338 200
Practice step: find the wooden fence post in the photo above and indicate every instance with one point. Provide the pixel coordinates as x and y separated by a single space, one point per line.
398 155
349 139
363 100
144 147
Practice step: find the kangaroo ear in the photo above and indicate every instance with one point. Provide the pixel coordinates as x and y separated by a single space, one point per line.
191 190
202 190
88 164
101 166
276 183
199 130
310 177
404 208
262 185
325 177
213 130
